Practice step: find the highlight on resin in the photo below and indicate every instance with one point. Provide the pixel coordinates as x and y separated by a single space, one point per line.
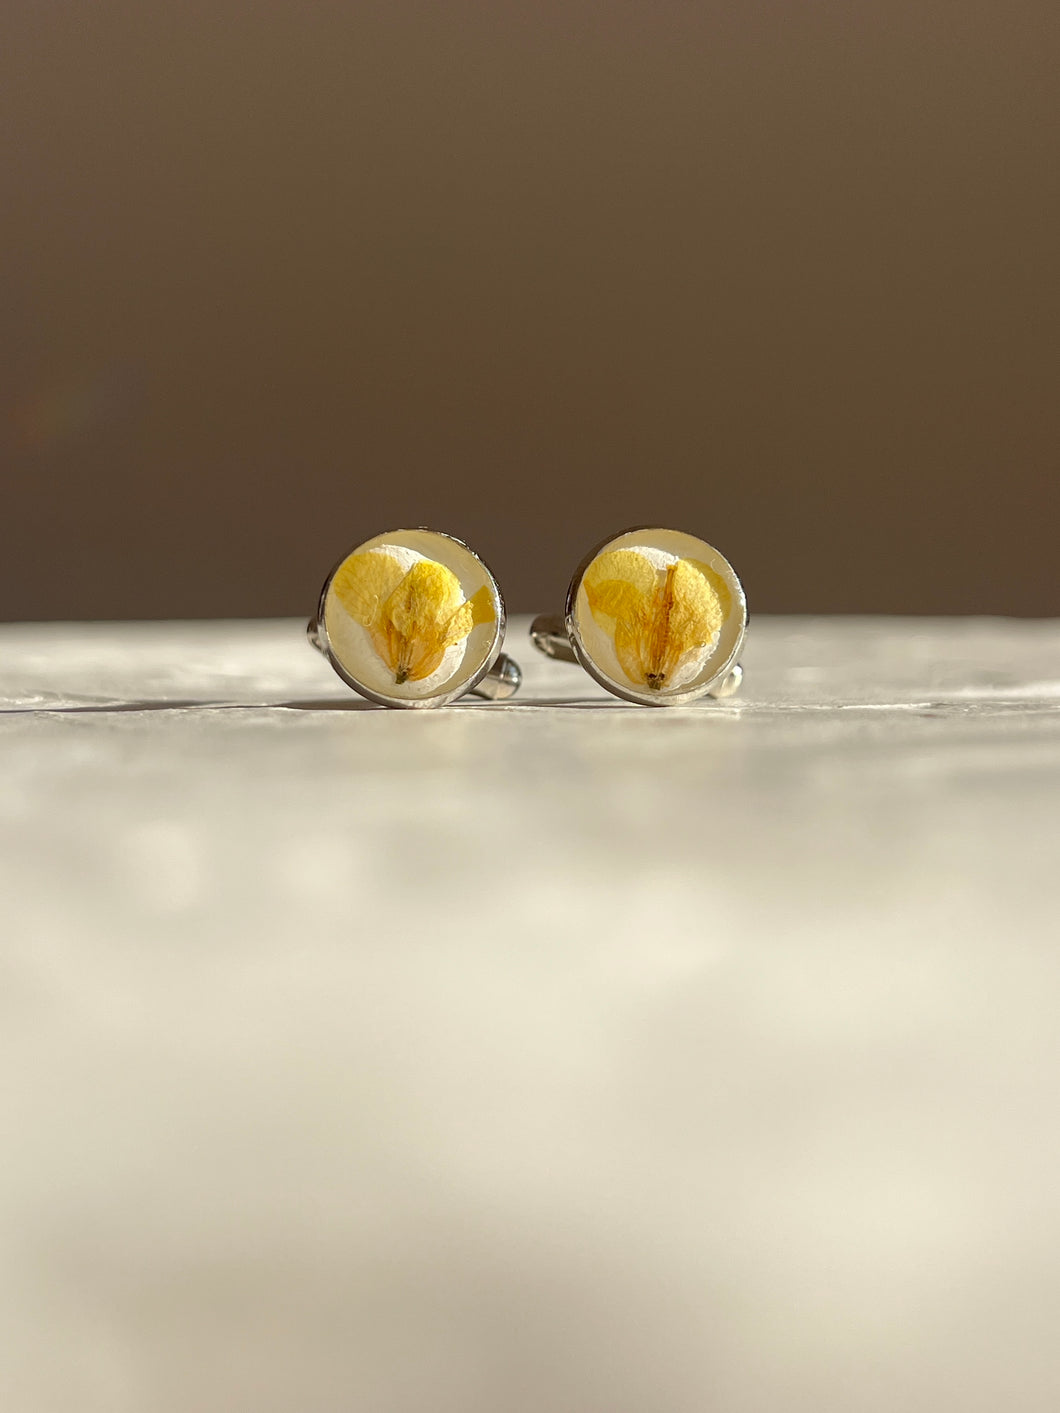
655 617
412 616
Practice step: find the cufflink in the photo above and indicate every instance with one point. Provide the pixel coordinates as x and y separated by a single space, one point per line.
413 618
655 616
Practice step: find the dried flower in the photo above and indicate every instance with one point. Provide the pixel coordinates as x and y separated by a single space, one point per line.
656 617
412 616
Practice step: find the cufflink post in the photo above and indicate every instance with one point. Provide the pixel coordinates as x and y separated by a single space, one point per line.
548 633
501 682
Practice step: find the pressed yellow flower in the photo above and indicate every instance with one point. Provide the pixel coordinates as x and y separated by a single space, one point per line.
656 617
412 616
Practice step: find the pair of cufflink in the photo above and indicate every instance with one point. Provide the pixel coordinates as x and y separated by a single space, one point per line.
414 618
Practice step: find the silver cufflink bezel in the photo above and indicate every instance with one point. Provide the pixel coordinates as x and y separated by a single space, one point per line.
727 675
496 678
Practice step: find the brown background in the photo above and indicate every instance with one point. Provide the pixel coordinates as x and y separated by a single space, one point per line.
277 276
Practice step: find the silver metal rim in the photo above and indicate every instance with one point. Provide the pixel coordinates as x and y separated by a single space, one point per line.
631 694
442 698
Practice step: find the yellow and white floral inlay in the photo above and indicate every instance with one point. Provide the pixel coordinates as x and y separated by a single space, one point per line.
412 615
658 611
657 617
403 623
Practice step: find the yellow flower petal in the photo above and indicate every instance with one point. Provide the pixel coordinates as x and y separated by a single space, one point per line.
425 600
630 642
696 613
482 609
364 582
717 583
460 625
477 609
617 582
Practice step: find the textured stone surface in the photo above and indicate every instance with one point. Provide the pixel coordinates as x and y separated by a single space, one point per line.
525 1057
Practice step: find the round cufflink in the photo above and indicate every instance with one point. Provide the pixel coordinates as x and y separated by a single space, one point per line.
655 616
413 618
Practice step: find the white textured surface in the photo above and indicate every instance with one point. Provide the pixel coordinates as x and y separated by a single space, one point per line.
527 1059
